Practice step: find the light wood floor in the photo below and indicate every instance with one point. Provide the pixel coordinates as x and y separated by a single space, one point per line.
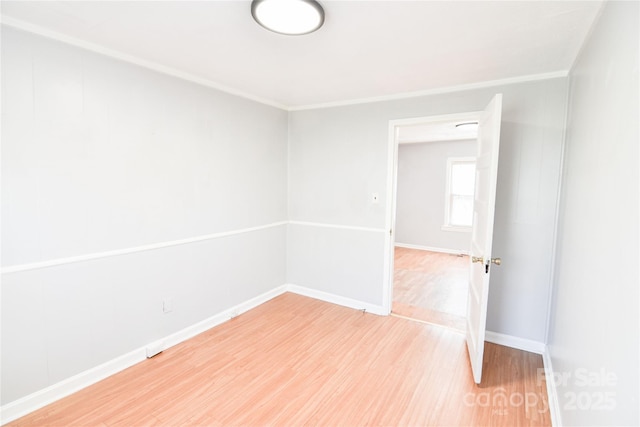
431 287
296 361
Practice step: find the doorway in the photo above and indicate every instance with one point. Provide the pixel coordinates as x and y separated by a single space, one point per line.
431 287
429 244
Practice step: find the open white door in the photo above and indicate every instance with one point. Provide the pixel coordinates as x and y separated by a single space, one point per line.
482 234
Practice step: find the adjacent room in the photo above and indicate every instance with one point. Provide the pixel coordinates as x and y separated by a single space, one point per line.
372 213
434 217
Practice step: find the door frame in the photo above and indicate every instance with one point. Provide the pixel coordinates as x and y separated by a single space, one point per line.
391 194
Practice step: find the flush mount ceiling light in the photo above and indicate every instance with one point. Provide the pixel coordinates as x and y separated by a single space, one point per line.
290 17
467 126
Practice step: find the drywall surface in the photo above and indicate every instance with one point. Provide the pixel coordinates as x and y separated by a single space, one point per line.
106 169
594 331
421 188
338 157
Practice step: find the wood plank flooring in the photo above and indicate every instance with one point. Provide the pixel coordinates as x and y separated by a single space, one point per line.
297 361
431 287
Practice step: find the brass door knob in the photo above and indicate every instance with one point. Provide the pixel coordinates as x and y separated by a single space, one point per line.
496 261
477 259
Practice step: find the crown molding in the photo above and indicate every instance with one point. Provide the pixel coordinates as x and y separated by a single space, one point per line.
437 91
93 47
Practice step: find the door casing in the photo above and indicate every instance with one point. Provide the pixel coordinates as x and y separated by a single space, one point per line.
392 182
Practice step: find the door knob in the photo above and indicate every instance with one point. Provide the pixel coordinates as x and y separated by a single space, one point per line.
496 261
477 259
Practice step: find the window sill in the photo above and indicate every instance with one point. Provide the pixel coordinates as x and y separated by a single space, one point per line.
456 228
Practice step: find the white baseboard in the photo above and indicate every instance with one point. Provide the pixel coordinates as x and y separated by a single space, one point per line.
213 321
538 348
336 299
41 398
432 249
23 406
515 342
552 390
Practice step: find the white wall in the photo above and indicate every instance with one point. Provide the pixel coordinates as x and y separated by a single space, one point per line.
421 187
99 155
595 325
338 158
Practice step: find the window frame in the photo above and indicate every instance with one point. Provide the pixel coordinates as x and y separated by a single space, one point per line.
447 226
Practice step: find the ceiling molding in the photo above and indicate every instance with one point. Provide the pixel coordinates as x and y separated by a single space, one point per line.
36 29
449 89
93 47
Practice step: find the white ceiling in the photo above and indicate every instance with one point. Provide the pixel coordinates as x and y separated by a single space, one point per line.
366 49
434 131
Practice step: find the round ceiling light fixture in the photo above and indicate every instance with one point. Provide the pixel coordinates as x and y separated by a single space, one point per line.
290 17
467 126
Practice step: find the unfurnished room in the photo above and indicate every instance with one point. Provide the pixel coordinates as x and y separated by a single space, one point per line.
320 212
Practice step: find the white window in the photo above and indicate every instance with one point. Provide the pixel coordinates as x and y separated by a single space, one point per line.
458 206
